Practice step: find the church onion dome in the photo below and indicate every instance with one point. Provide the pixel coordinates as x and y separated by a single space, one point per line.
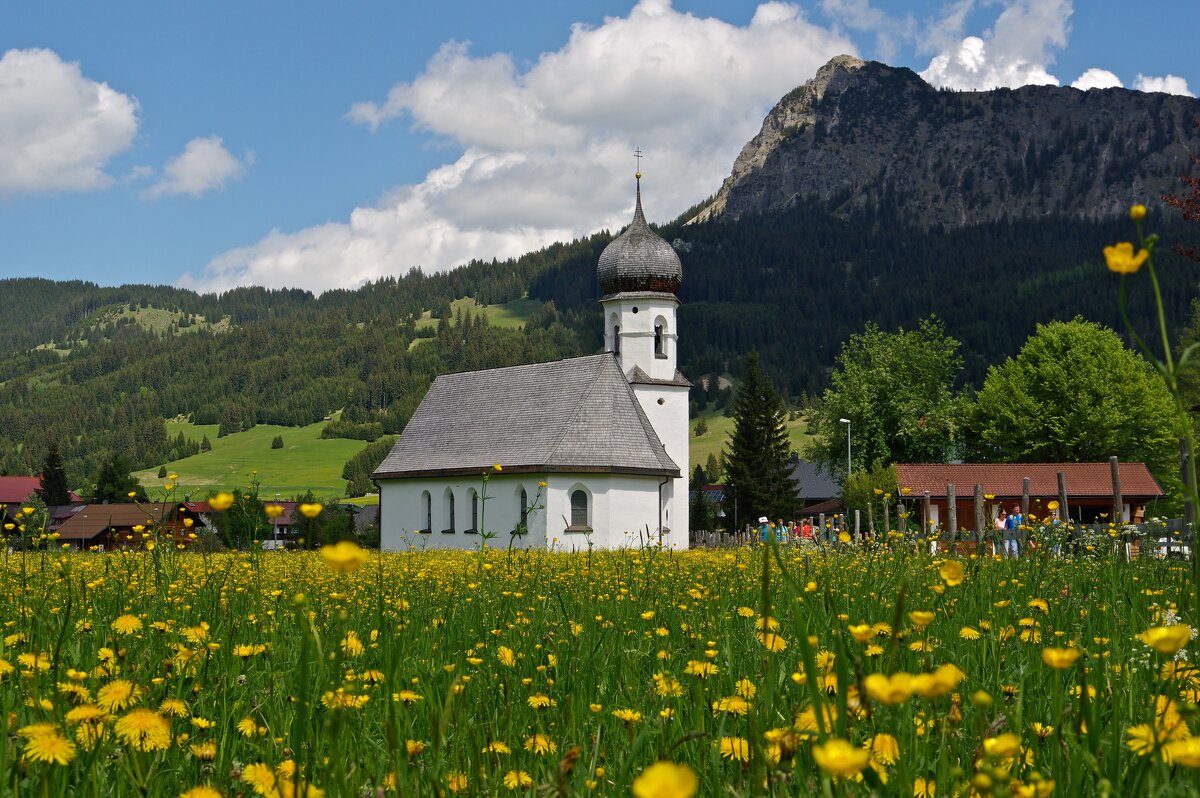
639 259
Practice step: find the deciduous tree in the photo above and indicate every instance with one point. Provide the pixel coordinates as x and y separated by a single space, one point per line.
1075 393
897 390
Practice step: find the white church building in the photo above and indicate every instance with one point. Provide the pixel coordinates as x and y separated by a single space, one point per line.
592 450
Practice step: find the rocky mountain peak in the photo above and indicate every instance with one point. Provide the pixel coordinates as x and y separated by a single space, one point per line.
864 135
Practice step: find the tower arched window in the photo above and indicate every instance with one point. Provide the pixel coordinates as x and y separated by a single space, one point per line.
426 511
523 510
616 340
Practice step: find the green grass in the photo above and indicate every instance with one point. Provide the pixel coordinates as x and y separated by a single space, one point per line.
716 440
510 314
306 461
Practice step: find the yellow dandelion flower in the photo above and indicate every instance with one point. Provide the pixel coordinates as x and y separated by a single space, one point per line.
127 625
117 695
517 780
540 744
506 656
144 730
260 777
736 748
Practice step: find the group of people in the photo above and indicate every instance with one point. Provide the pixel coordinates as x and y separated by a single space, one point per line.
787 531
1006 524
1008 528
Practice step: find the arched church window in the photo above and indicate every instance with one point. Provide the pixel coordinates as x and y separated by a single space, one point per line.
616 340
524 507
426 511
449 510
579 508
474 511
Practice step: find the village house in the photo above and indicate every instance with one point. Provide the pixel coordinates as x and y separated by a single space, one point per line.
590 450
130 525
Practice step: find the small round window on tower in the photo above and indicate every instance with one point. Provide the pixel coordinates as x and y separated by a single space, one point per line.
635 310
662 401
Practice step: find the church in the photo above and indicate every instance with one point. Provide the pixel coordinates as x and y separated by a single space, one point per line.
584 452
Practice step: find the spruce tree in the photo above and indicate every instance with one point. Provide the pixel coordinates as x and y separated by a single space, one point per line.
758 477
53 490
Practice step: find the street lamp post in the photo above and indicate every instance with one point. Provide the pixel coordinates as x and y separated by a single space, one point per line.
846 421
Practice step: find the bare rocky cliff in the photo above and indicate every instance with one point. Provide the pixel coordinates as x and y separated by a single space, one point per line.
863 135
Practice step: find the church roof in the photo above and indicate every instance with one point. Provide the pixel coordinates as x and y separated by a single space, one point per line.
639 259
577 415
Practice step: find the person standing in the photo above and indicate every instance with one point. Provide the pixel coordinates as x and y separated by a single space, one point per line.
1012 531
1000 525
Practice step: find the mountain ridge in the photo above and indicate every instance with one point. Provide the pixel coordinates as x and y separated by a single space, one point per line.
862 134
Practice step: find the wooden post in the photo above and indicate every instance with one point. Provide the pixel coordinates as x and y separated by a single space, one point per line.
1063 513
952 516
1118 506
1022 535
901 521
857 532
887 518
980 518
822 535
871 519
924 516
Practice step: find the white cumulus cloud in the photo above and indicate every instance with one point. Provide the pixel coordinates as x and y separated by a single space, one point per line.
1097 79
58 128
546 149
1170 84
204 165
1016 51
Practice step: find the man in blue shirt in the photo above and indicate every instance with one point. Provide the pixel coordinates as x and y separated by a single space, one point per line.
1012 531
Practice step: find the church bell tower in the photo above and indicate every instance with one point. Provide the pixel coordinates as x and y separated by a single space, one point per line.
639 275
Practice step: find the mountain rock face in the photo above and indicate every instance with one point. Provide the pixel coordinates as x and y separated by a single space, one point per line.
863 135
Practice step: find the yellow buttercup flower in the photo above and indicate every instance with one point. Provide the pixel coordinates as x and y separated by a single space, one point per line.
222 501
344 556
666 780
952 573
311 510
1122 260
1137 212
1060 658
1167 639
840 759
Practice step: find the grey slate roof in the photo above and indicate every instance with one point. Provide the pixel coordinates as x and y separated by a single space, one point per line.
812 482
639 259
576 415
637 376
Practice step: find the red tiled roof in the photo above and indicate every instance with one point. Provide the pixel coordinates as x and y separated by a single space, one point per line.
14 490
1005 479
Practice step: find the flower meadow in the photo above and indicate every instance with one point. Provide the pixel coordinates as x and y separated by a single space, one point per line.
881 670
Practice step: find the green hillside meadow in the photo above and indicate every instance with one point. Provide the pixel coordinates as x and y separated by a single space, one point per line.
720 427
305 462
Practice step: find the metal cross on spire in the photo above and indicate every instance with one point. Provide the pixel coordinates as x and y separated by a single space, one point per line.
637 153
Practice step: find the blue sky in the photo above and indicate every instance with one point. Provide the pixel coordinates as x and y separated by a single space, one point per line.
320 145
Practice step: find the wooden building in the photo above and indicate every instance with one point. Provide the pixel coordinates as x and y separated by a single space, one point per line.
1089 489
